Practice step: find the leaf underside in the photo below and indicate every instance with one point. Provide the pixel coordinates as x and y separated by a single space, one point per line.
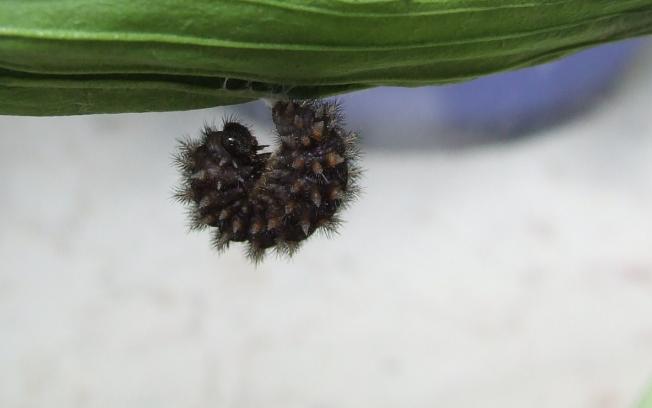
70 57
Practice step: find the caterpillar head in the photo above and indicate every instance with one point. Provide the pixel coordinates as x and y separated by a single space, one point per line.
235 140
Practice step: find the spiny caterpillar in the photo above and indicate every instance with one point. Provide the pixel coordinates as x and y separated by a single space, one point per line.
271 200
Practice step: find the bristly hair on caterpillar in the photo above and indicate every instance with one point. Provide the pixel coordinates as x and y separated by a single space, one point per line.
271 200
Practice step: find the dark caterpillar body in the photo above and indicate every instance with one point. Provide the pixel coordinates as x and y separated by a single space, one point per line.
271 200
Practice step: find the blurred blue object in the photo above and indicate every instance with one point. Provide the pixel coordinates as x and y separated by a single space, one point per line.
496 107
521 97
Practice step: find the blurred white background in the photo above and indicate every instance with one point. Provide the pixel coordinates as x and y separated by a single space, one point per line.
513 274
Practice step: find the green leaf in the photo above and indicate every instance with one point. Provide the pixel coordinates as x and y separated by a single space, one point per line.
78 56
647 400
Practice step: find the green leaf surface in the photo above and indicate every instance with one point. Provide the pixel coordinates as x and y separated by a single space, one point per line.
79 56
647 400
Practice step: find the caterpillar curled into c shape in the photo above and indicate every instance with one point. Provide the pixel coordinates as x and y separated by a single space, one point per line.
271 200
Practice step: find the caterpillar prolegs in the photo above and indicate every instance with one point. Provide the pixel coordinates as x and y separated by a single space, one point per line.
271 200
